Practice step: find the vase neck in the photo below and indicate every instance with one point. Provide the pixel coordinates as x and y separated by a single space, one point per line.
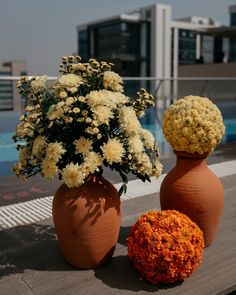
190 163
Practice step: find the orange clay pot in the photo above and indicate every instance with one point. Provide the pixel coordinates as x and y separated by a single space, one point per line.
193 189
87 222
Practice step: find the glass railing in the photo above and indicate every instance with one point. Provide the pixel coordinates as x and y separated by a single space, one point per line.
221 91
165 91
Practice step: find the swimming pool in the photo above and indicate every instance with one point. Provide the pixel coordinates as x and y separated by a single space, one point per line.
9 154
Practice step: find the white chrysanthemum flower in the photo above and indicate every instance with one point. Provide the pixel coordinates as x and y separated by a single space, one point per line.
63 94
72 175
78 67
143 164
25 129
113 151
105 120
49 168
70 81
17 168
38 145
82 145
55 111
102 114
100 97
39 83
113 81
24 153
149 140
69 100
157 168
91 163
105 97
119 98
135 144
54 151
129 121
29 109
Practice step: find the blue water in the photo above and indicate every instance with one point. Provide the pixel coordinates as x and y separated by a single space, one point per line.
8 150
9 154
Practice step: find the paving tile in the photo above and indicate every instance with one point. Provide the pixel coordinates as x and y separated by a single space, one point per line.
14 286
38 267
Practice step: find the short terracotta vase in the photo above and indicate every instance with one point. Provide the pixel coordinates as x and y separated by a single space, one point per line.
193 189
87 222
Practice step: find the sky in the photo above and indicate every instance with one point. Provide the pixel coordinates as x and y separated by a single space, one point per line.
41 31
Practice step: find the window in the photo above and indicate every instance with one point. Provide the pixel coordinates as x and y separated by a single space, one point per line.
187 47
233 19
83 44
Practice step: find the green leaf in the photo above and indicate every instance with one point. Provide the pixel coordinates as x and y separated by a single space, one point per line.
123 189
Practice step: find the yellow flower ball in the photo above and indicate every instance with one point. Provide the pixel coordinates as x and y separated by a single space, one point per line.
193 124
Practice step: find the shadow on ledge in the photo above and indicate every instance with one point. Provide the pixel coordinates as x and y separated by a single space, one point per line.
124 232
120 274
30 247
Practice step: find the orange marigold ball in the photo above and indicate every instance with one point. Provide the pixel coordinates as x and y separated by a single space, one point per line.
165 246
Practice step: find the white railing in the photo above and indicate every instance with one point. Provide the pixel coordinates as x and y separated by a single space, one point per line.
170 89
166 90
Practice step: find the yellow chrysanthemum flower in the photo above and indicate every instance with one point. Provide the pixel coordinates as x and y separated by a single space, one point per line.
113 151
72 175
54 151
193 124
129 121
113 81
49 168
82 145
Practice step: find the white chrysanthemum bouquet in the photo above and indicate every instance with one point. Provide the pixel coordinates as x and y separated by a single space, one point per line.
82 122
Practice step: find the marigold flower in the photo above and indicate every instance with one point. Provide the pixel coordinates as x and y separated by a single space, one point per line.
165 246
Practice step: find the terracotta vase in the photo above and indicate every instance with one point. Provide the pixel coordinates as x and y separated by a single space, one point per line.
193 189
87 222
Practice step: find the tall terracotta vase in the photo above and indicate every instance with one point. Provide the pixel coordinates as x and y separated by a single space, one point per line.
193 189
87 222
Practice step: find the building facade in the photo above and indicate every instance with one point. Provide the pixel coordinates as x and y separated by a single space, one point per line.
10 100
232 12
148 43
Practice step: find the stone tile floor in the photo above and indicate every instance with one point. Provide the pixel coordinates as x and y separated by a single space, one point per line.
31 261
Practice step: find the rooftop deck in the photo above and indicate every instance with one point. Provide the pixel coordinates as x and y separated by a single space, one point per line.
31 262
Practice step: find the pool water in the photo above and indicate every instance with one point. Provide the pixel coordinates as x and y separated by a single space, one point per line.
8 150
9 153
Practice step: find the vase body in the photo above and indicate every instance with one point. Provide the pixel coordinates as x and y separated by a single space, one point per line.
87 222
193 189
